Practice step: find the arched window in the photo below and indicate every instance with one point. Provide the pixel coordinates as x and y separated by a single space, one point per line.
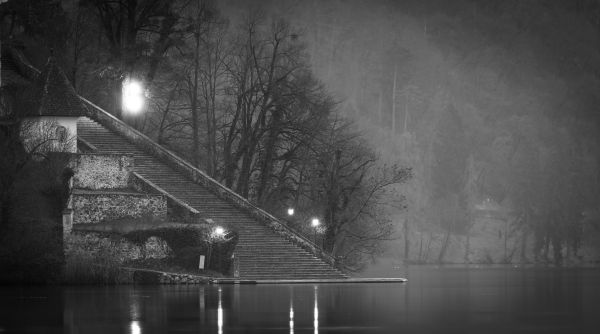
61 133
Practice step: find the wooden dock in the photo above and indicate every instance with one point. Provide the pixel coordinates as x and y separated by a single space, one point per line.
307 281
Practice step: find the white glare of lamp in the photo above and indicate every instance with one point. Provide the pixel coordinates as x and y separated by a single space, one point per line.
315 222
134 327
133 96
290 211
219 231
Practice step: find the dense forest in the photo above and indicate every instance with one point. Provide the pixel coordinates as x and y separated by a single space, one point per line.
419 131
494 104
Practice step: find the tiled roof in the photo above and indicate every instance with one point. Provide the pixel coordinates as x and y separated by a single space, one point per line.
11 75
56 95
50 92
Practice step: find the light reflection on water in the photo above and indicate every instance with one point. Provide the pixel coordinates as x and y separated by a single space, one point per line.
291 310
434 300
220 313
316 311
135 327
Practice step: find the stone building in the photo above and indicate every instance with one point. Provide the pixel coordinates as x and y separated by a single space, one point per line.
47 109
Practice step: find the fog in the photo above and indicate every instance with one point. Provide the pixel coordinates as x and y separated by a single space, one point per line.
416 131
494 106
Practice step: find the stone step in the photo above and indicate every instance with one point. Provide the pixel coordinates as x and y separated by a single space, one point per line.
284 264
270 250
263 254
290 277
288 268
258 259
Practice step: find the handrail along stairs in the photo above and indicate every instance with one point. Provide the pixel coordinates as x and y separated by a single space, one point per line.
197 175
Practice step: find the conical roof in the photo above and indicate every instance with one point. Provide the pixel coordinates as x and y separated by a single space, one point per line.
56 95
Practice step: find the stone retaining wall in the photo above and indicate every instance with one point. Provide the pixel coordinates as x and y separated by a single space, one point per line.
101 171
121 249
176 209
97 206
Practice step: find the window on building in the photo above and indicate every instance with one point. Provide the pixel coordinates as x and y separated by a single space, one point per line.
61 134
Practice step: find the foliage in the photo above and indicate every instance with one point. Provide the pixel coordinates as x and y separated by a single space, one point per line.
501 108
189 243
176 238
33 195
345 186
239 99
31 252
99 267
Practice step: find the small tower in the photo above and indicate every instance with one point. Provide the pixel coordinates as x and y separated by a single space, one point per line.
51 124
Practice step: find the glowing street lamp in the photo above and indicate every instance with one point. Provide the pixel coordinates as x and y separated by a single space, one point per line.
216 235
315 223
219 231
133 96
290 211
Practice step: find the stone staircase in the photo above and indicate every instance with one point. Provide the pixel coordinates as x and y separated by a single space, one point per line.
261 252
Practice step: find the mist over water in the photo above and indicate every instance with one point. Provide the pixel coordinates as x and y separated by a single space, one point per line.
492 104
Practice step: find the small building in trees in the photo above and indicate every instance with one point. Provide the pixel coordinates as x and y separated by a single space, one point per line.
39 114
55 111
44 105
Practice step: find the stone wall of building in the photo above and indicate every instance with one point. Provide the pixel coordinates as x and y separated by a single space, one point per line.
50 134
97 206
101 171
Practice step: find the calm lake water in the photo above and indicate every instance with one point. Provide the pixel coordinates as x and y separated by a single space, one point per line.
435 300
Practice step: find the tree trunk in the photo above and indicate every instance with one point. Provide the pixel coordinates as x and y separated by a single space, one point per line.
428 246
419 259
380 109
406 244
228 166
468 247
405 117
557 248
444 247
332 203
524 246
117 106
329 240
394 100
194 102
5 209
505 240
243 184
267 162
210 92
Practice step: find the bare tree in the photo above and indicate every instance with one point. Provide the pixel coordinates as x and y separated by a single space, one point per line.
350 188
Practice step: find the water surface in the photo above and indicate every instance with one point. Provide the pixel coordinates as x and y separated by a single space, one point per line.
435 300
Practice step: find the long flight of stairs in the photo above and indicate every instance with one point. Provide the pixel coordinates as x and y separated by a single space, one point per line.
262 254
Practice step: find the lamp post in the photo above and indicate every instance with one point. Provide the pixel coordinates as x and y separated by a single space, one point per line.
315 223
133 96
217 233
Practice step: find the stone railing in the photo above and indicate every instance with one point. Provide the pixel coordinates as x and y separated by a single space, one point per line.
85 146
180 208
199 177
